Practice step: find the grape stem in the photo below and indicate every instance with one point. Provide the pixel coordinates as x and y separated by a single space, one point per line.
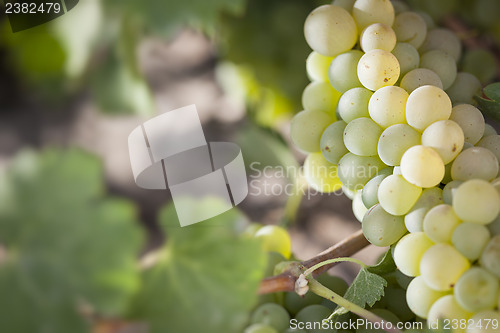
324 292
331 261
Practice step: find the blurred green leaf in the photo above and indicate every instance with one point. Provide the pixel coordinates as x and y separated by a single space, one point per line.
490 105
67 245
206 278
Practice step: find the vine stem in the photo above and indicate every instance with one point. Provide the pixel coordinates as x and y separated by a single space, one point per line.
331 261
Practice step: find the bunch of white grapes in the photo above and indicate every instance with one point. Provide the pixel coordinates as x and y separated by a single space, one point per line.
390 120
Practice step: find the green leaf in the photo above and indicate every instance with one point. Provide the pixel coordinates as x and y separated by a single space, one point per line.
490 106
385 266
205 280
67 244
367 288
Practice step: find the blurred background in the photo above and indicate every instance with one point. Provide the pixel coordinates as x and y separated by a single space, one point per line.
82 248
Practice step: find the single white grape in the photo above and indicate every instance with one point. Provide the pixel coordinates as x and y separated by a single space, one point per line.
420 77
477 290
471 120
470 239
358 207
440 222
354 104
332 142
343 71
355 171
429 198
492 143
317 66
490 258
420 296
447 307
370 190
422 166
442 64
361 136
377 36
426 105
484 322
381 228
387 106
410 28
395 141
476 201
330 30
444 40
320 96
377 69
449 191
396 195
409 251
366 12
442 265
464 88
408 57
446 137
307 127
473 163
321 174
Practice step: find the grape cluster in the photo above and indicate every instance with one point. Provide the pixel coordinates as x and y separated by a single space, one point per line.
391 120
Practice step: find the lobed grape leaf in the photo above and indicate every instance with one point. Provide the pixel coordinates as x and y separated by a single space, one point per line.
206 277
67 247
490 105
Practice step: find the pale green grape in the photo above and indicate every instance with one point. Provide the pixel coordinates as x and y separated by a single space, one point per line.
275 239
346 4
408 57
330 30
449 191
355 171
426 105
387 106
313 314
410 28
492 143
473 163
343 71
470 239
476 201
447 307
321 174
396 195
260 328
481 63
442 64
477 290
358 207
442 265
361 136
317 66
484 322
420 296
490 258
471 120
354 104
489 130
464 88
420 77
332 142
273 315
422 166
446 137
440 222
381 228
366 12
377 36
377 69
307 127
395 141
409 251
444 40
320 96
370 191
429 198
429 21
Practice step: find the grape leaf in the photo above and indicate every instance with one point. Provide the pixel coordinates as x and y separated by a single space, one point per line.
67 245
206 277
386 265
490 105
